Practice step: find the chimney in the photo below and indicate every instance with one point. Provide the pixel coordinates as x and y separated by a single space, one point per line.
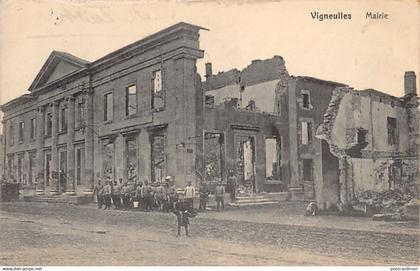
410 83
209 71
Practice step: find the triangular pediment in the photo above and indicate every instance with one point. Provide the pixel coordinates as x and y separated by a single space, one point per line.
58 65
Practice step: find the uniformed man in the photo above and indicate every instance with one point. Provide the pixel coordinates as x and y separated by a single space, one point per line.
181 211
116 194
107 193
125 194
189 194
98 191
146 193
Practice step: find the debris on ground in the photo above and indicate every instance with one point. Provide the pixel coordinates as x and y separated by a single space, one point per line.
387 205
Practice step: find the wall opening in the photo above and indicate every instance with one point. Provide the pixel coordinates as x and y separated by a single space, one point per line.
213 157
158 158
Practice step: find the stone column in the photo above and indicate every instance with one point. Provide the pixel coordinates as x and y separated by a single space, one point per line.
39 163
70 185
89 142
295 187
54 189
342 167
3 153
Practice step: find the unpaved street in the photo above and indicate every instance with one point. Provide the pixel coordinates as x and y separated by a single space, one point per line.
48 234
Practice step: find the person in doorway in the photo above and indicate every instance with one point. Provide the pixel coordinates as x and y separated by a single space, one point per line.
232 183
98 191
107 193
189 194
220 196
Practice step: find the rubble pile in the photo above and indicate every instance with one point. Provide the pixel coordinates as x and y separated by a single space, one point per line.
389 201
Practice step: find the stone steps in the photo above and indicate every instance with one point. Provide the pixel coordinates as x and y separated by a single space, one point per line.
254 200
59 199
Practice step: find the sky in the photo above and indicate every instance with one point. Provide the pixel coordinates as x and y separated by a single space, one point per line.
360 52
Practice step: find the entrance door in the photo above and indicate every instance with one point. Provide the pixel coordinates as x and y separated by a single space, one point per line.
47 169
62 177
246 165
80 165
308 179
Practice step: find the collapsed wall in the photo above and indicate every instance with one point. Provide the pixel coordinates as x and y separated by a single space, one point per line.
374 155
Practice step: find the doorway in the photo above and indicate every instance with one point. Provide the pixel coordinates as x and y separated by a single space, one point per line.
47 169
245 165
308 179
62 176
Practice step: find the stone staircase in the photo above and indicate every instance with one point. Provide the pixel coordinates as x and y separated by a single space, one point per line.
77 199
259 199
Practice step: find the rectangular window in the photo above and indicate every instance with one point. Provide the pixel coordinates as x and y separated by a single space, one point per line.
32 128
32 157
63 120
80 162
158 158
108 161
392 131
80 114
11 134
108 107
131 100
47 169
21 131
131 148
306 132
158 96
48 124
10 167
272 159
305 100
19 171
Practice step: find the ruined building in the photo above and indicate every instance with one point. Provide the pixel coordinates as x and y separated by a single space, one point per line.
143 112
370 141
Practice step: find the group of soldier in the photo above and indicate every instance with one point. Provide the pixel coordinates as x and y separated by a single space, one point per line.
124 195
159 195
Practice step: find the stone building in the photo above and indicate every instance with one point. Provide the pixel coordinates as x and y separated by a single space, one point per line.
370 141
126 115
143 112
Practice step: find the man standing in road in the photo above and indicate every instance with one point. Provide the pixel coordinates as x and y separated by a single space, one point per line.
107 192
232 182
116 194
220 196
189 194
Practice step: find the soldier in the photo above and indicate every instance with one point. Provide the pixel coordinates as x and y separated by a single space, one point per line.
204 195
189 194
107 193
116 194
137 194
125 194
159 196
146 194
232 183
181 211
98 190
220 196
